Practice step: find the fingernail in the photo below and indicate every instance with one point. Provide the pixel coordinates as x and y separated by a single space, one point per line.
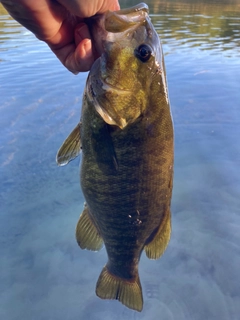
81 32
88 48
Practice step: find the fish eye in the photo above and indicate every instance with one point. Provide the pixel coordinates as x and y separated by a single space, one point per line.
143 52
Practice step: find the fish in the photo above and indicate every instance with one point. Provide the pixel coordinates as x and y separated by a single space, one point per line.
125 136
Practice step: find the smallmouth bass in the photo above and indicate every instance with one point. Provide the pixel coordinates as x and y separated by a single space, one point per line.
126 137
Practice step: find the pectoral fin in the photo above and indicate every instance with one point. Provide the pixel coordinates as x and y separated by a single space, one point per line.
87 235
70 148
156 247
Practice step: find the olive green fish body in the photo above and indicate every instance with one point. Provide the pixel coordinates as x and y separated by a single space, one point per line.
128 191
126 137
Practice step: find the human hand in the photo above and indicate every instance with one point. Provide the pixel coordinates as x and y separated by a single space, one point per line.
61 25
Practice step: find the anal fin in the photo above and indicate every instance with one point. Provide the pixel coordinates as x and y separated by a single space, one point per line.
158 245
127 292
70 148
87 235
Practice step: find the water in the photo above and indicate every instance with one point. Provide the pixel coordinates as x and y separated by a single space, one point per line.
44 275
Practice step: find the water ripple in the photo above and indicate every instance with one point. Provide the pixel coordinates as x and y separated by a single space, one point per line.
43 272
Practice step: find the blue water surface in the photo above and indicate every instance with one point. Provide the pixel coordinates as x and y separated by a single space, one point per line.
44 274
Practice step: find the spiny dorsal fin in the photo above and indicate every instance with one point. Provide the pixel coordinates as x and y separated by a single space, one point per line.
158 245
70 148
87 235
128 293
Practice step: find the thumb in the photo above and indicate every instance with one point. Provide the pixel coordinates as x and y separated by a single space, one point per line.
78 56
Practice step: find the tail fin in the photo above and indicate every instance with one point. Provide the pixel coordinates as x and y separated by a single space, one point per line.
128 293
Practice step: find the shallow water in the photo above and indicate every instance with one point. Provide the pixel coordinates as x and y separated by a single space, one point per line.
44 275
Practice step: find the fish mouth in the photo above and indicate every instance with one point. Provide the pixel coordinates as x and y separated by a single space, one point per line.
101 26
121 20
138 7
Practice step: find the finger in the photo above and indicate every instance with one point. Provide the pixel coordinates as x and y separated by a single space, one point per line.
112 5
81 33
76 59
83 55
43 18
80 9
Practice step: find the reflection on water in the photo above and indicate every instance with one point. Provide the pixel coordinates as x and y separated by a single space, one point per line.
43 274
208 25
